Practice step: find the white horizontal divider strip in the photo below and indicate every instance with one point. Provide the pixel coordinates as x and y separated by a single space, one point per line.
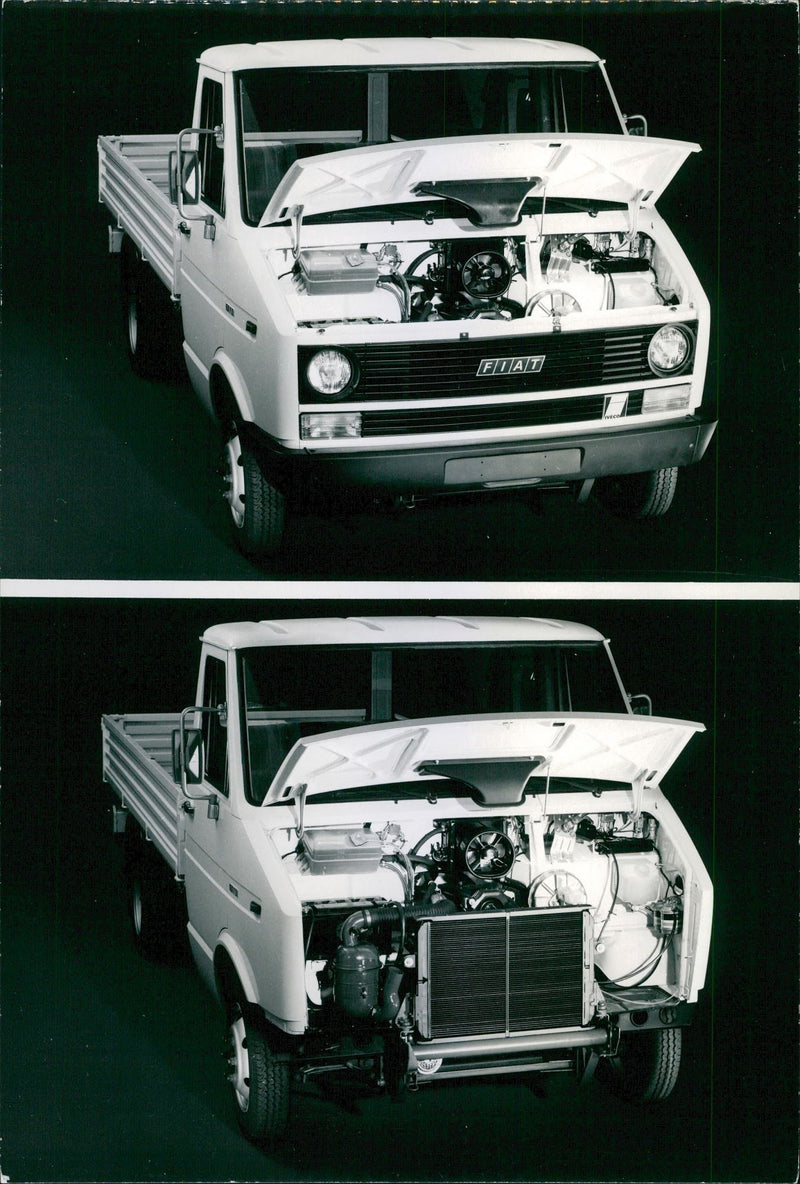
398 590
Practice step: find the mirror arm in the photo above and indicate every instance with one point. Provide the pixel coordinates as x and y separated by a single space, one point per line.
641 120
646 702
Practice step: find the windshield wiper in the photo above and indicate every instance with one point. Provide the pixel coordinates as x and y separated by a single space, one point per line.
591 206
429 791
583 784
394 213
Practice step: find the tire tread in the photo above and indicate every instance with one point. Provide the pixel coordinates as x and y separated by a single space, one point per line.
264 510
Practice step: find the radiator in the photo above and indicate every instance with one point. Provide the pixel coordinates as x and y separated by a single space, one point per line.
502 973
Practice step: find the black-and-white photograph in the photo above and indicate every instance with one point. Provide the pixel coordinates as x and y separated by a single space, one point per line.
400 584
474 891
451 291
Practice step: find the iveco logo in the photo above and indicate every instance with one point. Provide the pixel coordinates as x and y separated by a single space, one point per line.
510 365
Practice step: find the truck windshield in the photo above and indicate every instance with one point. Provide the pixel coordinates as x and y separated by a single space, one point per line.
295 691
284 114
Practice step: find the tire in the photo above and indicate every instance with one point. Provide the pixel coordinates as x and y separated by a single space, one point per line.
151 322
156 907
257 508
646 1067
639 495
259 1078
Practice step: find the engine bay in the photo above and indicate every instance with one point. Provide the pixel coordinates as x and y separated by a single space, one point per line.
495 278
617 869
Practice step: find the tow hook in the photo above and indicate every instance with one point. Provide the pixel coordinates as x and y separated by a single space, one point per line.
404 502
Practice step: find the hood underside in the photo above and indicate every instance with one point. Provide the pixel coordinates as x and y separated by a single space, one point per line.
493 753
490 176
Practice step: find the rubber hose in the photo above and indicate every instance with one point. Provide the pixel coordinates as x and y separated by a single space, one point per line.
369 918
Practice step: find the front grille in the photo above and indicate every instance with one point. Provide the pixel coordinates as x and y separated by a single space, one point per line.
449 369
502 973
417 420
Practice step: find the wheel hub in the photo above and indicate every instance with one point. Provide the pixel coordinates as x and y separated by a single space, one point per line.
239 1064
234 481
133 325
136 905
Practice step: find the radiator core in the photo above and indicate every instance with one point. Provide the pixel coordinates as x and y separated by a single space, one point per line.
496 973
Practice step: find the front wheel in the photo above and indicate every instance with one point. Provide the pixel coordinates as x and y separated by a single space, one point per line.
259 1078
639 495
646 1066
256 507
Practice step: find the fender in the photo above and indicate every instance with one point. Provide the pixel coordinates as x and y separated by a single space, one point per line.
224 365
241 964
247 979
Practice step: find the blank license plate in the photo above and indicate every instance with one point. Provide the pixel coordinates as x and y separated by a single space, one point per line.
517 466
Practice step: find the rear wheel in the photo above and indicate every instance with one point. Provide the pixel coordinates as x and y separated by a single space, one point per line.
646 1067
151 322
259 1078
256 507
639 495
156 909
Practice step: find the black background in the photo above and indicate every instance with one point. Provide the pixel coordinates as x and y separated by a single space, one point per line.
117 474
110 1063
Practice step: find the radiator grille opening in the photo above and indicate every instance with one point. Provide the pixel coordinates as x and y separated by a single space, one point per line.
443 370
504 973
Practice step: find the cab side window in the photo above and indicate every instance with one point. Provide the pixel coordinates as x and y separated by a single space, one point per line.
215 731
211 149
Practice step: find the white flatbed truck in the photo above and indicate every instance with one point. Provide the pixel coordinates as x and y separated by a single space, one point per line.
412 267
417 849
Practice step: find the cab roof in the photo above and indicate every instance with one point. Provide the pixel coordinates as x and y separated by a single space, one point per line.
380 631
375 52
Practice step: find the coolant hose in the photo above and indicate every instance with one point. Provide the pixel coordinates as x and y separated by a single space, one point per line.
369 918
398 285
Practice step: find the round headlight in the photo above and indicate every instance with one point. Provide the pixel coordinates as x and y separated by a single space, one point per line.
669 349
329 372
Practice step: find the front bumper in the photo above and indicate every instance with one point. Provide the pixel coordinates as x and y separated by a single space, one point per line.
551 461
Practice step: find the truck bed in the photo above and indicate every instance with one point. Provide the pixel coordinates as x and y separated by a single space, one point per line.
134 185
137 764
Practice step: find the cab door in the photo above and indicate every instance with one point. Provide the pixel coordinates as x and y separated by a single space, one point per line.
209 252
210 822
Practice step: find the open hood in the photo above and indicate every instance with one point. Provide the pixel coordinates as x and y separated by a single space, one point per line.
490 176
495 754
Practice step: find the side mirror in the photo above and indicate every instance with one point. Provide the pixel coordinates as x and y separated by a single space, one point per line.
188 759
172 176
187 756
189 178
636 125
641 704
